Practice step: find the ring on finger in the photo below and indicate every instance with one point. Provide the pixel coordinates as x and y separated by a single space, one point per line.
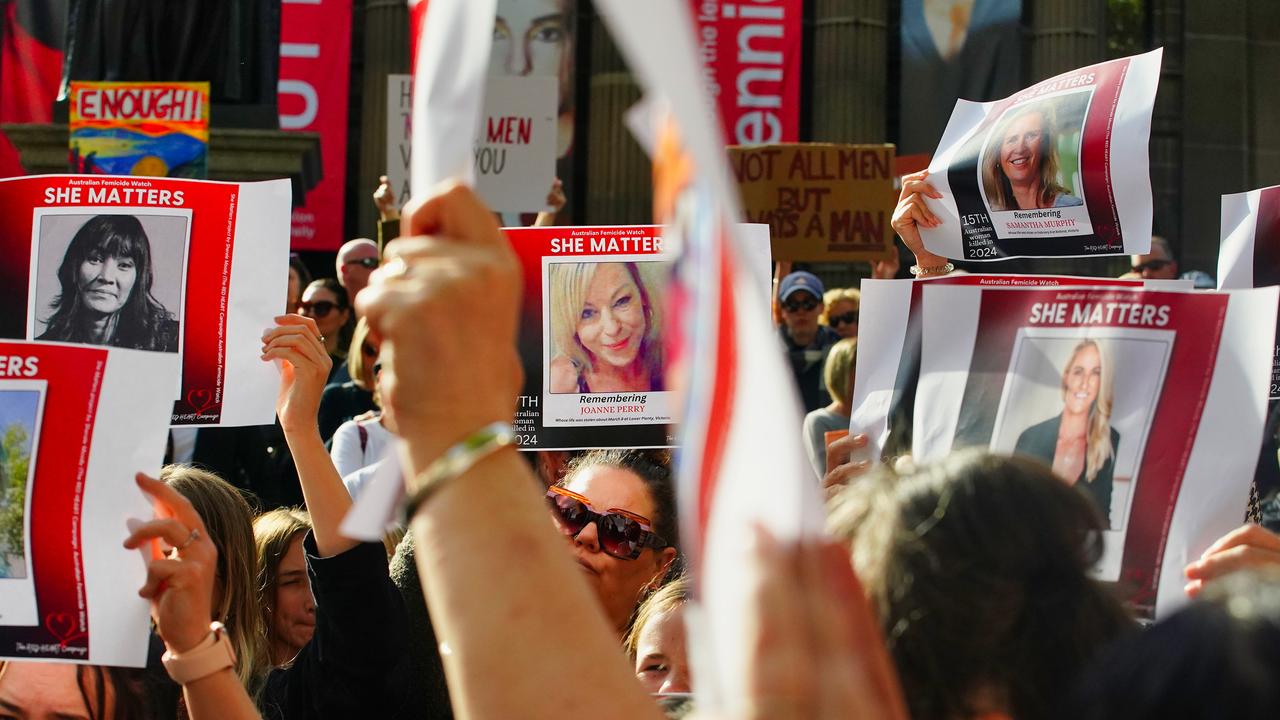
193 536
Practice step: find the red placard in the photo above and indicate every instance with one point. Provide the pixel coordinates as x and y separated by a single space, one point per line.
750 51
315 67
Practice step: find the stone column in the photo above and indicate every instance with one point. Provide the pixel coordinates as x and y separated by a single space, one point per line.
849 83
385 40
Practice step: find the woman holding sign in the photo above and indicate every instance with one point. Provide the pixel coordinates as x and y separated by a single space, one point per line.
106 278
1079 442
605 329
1020 165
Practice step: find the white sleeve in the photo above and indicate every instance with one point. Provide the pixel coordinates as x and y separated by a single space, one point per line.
346 453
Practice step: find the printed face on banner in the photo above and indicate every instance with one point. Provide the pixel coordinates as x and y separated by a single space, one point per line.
1083 403
109 276
21 408
1031 159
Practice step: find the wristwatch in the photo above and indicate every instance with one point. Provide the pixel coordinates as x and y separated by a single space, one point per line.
214 653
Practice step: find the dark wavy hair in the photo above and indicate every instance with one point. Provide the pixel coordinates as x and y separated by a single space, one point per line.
979 569
142 323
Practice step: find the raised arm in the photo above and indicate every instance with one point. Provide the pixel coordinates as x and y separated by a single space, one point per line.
911 214
524 635
296 341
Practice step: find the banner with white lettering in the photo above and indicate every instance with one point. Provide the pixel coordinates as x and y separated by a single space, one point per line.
1150 402
76 423
1249 255
1057 170
315 69
140 128
193 268
751 56
592 334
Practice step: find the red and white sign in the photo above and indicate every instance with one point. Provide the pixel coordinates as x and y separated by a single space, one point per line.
1172 387
750 52
78 423
1249 255
315 68
192 268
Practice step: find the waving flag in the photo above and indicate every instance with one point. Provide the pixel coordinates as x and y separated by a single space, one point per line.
741 462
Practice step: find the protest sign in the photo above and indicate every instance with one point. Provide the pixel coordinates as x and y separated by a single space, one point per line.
1164 388
76 424
888 364
1057 170
189 267
515 152
399 134
1249 255
592 335
140 128
822 202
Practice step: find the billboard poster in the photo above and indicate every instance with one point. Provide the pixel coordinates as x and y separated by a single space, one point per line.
140 128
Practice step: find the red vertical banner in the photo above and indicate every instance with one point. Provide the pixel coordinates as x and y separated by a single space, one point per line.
315 69
750 51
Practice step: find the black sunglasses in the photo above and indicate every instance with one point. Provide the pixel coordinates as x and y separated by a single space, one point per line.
622 534
800 305
848 318
369 263
319 308
1152 265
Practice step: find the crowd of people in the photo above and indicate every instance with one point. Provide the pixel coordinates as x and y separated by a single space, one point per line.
553 584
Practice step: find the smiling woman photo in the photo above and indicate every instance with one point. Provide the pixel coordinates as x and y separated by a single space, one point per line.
106 278
1079 442
604 327
1021 166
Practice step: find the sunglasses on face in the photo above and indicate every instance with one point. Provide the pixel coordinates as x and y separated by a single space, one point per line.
369 263
623 535
1152 265
800 305
319 308
848 318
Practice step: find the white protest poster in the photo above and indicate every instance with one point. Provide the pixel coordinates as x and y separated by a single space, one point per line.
399 133
515 151
193 268
1249 255
1057 170
888 363
1167 388
76 424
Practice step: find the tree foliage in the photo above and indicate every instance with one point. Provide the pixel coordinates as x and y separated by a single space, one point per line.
15 462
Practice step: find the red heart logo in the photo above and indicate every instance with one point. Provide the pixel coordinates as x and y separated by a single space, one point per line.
62 626
200 400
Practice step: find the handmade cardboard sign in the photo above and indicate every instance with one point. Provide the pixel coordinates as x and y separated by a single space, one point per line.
821 202
140 128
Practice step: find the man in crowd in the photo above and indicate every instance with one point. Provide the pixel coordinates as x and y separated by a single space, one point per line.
800 297
357 259
1157 264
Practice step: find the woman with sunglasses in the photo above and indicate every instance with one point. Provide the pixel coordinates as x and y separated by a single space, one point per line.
353 398
360 444
841 311
617 507
325 301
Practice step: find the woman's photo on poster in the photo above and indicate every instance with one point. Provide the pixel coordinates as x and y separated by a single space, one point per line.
111 278
1031 159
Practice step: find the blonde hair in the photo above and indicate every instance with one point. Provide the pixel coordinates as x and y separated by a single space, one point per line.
996 183
836 295
228 518
838 372
273 533
568 283
665 599
1098 435
360 371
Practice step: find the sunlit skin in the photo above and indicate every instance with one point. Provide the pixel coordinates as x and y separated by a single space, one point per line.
330 324
802 325
1083 379
1168 272
355 277
611 328
838 308
105 283
1020 152
46 691
662 666
293 614
617 583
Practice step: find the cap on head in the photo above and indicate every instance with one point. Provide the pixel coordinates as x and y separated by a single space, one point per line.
798 281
